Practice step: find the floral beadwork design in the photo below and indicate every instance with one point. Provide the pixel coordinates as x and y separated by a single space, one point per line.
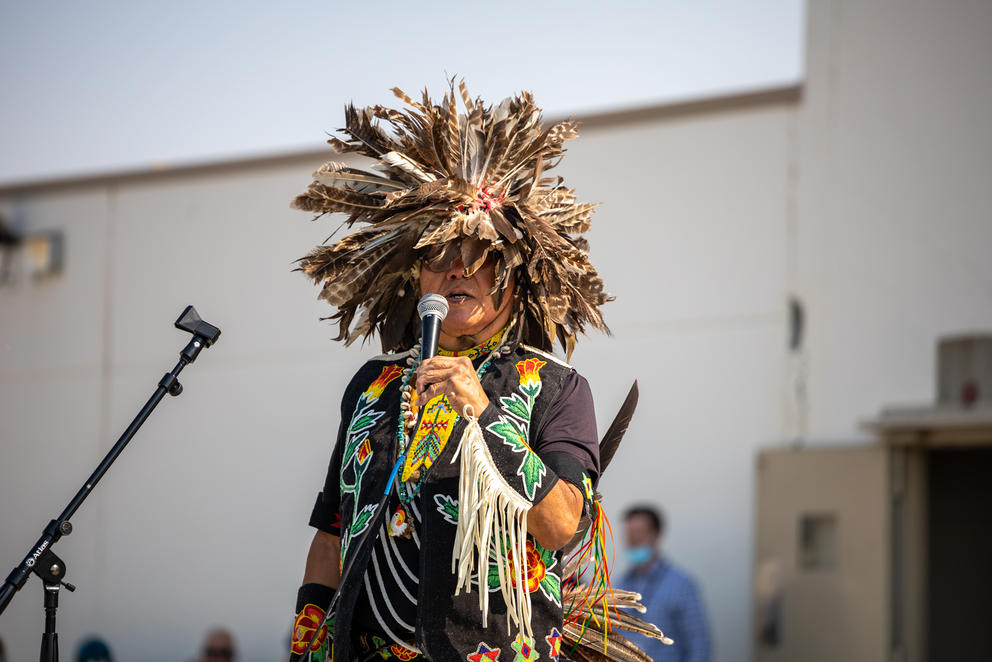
448 507
536 570
403 653
554 644
358 451
306 635
388 374
524 646
483 653
538 563
530 375
514 425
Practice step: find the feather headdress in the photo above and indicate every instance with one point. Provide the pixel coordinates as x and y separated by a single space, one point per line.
458 184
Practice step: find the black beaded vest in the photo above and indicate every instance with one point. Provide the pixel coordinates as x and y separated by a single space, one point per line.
521 383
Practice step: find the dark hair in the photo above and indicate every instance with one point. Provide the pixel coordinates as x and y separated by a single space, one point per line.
94 648
654 514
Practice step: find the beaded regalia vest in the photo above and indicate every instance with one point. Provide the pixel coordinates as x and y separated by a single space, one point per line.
482 616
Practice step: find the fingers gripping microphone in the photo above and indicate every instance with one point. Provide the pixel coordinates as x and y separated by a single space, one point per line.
432 308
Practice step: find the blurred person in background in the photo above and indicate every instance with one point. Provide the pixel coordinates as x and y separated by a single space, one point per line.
672 598
218 646
94 649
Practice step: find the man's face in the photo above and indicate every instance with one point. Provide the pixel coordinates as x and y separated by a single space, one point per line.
640 532
471 309
218 647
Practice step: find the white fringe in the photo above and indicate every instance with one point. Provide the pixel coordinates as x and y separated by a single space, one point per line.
489 510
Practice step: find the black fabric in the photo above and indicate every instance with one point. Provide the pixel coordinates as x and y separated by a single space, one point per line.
570 427
451 627
326 513
393 571
325 517
569 470
375 646
314 594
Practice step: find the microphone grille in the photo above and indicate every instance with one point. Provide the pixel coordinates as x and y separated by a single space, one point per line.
433 304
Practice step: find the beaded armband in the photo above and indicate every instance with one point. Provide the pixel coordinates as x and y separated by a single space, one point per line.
310 632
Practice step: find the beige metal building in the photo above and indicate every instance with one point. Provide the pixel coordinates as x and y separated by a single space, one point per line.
861 192
881 551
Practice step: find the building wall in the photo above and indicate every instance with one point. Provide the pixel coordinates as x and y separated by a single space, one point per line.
892 206
203 518
691 238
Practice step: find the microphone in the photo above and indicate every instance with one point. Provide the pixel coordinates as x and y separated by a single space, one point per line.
433 308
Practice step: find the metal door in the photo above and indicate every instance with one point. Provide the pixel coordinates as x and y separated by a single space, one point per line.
823 558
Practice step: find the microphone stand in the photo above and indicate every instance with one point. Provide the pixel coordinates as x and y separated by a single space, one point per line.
40 559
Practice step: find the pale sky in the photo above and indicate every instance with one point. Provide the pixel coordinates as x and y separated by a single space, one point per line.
102 86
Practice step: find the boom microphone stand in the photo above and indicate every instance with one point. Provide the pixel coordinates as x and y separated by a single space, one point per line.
40 559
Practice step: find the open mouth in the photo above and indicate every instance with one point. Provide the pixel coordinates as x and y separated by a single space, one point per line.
458 297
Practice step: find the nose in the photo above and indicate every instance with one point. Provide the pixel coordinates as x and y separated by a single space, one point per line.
457 270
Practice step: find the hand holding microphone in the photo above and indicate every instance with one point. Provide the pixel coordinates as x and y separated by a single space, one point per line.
453 376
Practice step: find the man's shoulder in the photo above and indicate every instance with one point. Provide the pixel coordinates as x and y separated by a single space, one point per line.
392 357
662 569
384 366
664 581
681 577
549 362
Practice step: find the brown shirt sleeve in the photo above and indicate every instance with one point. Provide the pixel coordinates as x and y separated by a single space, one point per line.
570 428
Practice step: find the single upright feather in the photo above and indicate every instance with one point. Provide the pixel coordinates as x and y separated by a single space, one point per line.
614 434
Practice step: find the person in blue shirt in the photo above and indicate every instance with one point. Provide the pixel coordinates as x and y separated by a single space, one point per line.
672 598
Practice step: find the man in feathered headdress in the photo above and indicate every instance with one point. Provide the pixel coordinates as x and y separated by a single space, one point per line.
487 452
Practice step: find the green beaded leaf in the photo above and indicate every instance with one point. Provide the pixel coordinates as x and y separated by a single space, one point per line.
493 579
448 507
532 389
363 422
362 519
547 556
551 587
511 432
532 471
364 418
516 406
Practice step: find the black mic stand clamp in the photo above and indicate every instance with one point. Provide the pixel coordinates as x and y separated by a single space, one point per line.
51 569
41 560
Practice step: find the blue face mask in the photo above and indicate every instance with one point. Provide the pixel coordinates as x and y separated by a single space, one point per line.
639 555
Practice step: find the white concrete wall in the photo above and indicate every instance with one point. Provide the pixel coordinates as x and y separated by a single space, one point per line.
203 519
893 200
691 238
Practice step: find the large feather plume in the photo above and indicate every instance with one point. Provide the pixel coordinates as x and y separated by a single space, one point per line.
470 178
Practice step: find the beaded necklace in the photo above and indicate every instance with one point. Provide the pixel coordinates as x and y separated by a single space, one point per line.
407 419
